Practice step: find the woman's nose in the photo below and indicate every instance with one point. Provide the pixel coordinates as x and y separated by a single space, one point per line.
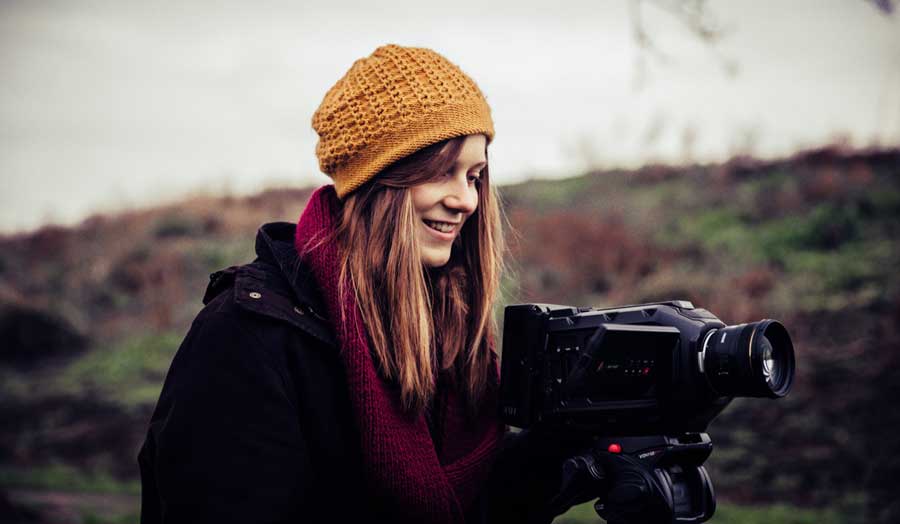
462 196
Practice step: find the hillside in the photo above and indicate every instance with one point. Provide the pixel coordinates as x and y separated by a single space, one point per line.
90 317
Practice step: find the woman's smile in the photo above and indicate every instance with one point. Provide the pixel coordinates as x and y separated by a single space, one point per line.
442 230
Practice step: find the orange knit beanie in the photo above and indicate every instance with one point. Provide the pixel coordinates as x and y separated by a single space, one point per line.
390 105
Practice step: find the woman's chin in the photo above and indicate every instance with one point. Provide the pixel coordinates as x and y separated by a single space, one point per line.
435 257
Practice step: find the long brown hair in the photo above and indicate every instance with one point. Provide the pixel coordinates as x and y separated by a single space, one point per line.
421 321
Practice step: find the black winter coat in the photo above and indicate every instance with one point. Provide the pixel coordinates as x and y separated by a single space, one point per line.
254 425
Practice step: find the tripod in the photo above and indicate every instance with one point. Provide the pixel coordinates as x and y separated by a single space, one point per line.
646 480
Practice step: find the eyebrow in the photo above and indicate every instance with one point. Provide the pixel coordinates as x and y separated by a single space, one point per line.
481 163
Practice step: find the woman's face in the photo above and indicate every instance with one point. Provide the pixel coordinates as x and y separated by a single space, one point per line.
444 203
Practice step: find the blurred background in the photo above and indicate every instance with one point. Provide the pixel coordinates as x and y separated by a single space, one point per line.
744 155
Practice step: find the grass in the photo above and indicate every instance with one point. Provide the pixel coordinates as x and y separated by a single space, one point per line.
216 254
734 514
831 257
57 492
129 373
825 249
90 517
178 225
776 514
62 477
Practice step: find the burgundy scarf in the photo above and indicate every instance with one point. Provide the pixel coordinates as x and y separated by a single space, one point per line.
402 464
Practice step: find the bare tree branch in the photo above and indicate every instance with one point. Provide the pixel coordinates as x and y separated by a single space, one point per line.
885 6
694 16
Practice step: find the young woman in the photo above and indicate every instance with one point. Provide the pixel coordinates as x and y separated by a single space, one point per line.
348 373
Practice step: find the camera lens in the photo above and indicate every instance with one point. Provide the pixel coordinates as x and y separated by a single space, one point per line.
749 360
772 368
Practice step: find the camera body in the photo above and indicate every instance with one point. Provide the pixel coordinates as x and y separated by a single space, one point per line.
663 368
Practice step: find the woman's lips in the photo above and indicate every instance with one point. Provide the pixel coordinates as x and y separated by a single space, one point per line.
448 231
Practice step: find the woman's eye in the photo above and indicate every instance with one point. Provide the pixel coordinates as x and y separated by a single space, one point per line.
471 177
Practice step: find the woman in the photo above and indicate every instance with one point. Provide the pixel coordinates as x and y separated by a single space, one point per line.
348 374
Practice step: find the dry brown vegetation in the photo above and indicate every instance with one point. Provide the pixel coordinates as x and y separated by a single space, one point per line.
95 312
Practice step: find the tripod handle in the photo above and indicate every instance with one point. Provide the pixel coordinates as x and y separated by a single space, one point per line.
582 480
636 493
655 480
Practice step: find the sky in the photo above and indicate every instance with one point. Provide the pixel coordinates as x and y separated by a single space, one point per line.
112 105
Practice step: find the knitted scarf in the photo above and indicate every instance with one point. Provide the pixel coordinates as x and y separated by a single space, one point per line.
403 466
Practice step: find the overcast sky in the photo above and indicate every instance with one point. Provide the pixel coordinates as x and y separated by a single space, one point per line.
107 105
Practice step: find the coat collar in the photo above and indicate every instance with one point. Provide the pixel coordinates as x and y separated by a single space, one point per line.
277 284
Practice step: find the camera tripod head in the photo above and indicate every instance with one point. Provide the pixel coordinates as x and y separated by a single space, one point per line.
648 480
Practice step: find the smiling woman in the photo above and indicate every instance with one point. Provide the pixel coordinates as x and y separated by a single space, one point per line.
432 209
355 356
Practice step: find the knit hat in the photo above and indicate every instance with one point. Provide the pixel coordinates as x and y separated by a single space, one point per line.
388 106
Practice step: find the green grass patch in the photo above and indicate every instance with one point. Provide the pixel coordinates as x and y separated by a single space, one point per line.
176 225
90 517
720 231
580 514
728 231
831 256
541 195
62 477
733 514
129 373
218 254
826 227
14 384
93 518
775 514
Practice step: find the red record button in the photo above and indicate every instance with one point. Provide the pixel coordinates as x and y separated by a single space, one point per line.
614 448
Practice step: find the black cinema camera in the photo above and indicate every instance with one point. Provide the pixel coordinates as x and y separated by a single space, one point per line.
643 382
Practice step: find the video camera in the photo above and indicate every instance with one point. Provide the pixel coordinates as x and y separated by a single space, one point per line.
644 382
